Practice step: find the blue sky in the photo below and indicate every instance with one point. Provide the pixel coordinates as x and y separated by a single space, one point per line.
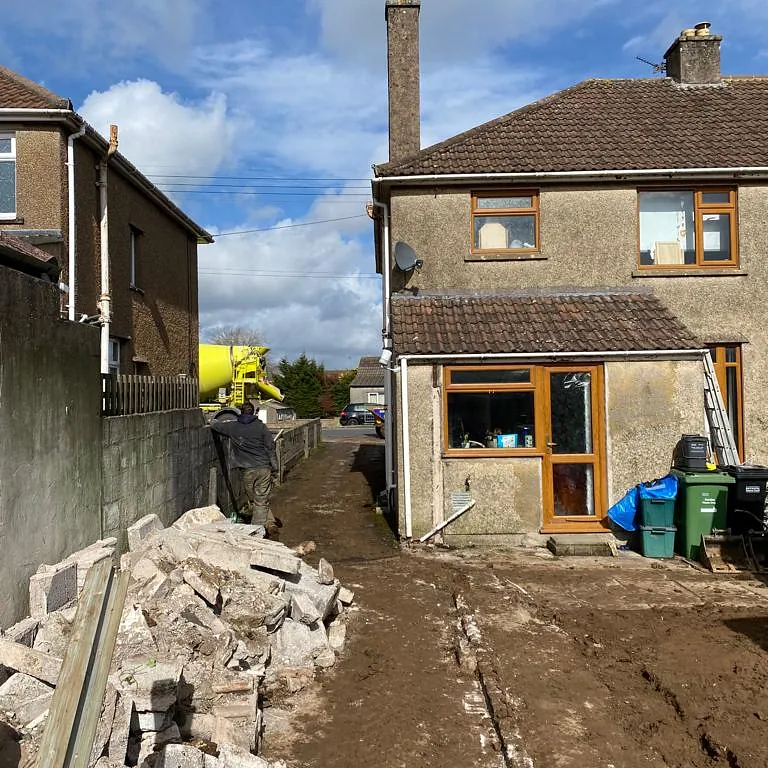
267 115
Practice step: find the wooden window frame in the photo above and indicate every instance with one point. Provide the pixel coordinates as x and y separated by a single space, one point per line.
700 209
490 212
534 386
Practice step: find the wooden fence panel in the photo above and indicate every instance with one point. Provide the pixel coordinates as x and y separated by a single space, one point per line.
127 394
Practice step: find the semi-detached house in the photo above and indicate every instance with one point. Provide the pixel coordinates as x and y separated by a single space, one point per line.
127 253
575 259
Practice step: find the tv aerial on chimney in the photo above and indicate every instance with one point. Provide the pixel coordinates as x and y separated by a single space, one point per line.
405 257
656 67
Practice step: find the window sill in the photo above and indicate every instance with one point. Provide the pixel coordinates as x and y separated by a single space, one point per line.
14 220
697 272
505 257
492 453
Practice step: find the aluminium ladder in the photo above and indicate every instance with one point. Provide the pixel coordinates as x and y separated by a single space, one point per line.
720 433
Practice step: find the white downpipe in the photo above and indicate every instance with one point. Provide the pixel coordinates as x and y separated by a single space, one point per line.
406 447
386 270
439 527
105 309
71 214
617 173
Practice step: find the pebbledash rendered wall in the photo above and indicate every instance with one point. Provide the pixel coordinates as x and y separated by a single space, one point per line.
156 463
50 460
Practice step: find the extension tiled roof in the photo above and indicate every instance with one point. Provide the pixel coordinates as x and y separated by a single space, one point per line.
641 124
599 320
369 362
17 92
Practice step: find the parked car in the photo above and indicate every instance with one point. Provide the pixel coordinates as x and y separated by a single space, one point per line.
379 414
356 413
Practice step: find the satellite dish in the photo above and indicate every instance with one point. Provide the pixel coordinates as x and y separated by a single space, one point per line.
405 257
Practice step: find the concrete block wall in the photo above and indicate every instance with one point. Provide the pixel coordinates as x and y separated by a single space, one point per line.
50 459
155 463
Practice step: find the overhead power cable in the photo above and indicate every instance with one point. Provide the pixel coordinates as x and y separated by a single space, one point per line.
285 274
290 226
252 178
358 195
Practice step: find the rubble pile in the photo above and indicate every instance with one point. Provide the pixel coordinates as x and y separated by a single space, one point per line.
217 621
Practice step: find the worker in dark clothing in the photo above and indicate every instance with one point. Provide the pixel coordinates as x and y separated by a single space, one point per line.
253 453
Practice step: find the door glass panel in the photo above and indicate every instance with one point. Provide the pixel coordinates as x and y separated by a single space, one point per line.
571 404
732 399
574 492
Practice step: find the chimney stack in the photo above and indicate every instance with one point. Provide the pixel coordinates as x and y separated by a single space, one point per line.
694 57
402 18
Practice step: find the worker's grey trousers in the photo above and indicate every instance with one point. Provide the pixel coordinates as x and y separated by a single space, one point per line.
257 483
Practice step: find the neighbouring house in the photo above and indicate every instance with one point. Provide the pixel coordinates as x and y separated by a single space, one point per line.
127 253
368 384
551 282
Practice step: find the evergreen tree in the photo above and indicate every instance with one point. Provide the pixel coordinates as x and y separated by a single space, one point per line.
302 384
340 390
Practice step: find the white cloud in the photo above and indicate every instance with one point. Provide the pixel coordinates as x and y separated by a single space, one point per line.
305 289
451 30
159 131
104 29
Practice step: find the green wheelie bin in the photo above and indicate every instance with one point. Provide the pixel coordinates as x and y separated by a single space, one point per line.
701 507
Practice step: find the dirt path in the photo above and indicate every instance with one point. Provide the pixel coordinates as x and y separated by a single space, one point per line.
565 662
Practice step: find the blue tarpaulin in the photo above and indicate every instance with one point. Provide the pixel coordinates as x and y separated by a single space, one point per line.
624 511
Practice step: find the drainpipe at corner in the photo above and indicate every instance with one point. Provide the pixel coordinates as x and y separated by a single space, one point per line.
105 311
386 334
72 266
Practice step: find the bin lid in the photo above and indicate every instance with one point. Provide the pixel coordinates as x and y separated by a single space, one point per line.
715 477
748 471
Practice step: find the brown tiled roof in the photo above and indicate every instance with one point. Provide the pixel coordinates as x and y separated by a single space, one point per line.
17 92
369 377
369 362
27 257
640 124
600 320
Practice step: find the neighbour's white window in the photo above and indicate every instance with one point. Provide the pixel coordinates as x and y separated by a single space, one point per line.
7 176
114 356
373 397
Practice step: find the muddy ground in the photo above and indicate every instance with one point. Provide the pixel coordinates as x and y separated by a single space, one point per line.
513 657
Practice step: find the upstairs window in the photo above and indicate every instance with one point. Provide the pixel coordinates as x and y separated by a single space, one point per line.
7 176
688 228
505 222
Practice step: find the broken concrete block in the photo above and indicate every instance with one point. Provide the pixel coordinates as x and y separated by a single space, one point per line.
337 635
121 729
39 665
324 572
231 756
230 732
296 643
325 658
203 580
141 530
152 741
154 721
153 685
134 638
24 633
346 596
209 761
322 595
53 635
288 680
104 727
303 609
26 697
174 544
200 516
180 756
51 588
246 609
